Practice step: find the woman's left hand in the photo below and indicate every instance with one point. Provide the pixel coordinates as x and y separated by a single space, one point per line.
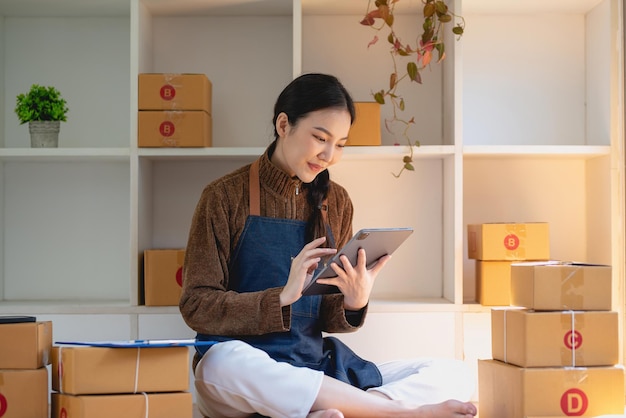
355 282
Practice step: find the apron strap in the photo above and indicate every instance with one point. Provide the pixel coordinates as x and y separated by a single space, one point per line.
255 194
255 190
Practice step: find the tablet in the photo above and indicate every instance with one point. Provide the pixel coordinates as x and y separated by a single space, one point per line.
377 242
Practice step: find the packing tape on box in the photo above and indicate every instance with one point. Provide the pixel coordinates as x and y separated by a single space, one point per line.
505 350
60 369
137 369
571 324
170 128
515 241
575 376
572 283
145 397
172 80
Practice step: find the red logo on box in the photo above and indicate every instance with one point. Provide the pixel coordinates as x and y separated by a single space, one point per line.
167 128
3 405
573 339
511 242
179 276
63 413
167 92
574 403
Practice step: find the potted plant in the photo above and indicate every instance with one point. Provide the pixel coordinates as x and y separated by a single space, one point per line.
44 109
380 17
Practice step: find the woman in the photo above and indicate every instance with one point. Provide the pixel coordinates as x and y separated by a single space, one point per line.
256 237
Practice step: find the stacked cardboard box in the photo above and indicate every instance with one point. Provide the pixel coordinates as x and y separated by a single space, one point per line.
174 110
495 246
366 127
163 276
99 382
24 354
555 354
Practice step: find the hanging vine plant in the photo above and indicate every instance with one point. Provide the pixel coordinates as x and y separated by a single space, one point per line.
380 16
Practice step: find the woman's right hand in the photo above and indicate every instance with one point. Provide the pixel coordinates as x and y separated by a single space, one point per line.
302 268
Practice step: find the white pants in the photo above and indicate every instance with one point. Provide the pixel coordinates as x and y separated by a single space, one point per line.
235 380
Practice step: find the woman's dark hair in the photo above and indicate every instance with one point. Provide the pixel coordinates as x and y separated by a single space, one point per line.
305 94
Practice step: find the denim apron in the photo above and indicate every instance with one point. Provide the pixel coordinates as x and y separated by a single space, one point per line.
262 260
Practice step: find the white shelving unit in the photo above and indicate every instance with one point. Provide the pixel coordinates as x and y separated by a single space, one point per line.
523 121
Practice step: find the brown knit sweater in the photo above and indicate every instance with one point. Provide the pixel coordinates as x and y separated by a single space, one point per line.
206 305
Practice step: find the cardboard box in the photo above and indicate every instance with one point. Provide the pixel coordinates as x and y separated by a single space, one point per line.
184 129
100 370
151 405
163 91
24 393
505 390
493 283
366 127
508 241
25 345
560 286
555 339
163 277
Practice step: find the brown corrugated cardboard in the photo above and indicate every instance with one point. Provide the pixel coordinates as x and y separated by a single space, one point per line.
493 283
366 127
151 405
163 91
24 393
561 286
99 370
553 339
163 276
171 129
25 345
508 241
506 390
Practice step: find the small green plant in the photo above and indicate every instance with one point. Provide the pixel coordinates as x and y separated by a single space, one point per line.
41 103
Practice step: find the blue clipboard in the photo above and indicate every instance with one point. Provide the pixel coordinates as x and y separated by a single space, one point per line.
139 343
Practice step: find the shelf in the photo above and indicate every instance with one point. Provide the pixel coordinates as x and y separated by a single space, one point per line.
536 151
183 8
234 153
64 8
349 153
77 307
528 6
64 154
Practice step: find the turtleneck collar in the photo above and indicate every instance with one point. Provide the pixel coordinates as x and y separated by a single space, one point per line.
277 179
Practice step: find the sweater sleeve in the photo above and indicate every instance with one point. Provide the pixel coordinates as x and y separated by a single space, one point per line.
205 304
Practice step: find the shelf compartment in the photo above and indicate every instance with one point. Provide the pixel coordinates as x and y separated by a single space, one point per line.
65 230
338 44
248 59
537 77
572 194
416 199
86 58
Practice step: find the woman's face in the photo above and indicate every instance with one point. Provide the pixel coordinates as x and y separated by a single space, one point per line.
314 144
